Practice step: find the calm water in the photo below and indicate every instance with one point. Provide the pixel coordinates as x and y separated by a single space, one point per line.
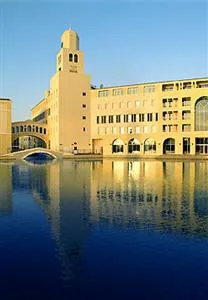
104 230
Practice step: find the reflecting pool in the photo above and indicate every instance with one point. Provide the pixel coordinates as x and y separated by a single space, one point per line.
111 229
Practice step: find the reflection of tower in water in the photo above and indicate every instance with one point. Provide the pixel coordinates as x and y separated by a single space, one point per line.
66 205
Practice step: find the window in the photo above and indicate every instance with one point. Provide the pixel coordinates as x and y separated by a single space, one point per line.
122 130
110 119
41 130
132 90
83 94
150 145
133 146
186 127
201 114
202 84
167 87
149 117
103 119
70 57
75 58
83 117
186 101
202 145
98 120
186 114
117 92
129 104
84 105
44 130
146 129
138 129
169 146
118 118
137 103
114 130
149 89
130 130
117 146
156 116
133 118
141 117
83 129
103 93
126 118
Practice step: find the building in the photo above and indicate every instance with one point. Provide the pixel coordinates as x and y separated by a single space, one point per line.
5 125
140 119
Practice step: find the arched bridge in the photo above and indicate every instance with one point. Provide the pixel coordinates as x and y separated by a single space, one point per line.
28 152
31 129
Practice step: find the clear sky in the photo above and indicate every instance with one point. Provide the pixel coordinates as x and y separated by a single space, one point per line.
124 42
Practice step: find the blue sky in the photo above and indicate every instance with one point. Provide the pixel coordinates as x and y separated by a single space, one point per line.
124 42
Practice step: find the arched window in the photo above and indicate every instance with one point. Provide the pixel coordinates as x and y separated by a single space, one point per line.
17 128
36 129
169 146
44 130
70 57
117 146
29 128
133 146
75 58
201 114
150 145
21 128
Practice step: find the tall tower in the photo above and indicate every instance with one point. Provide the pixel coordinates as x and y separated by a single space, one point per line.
70 98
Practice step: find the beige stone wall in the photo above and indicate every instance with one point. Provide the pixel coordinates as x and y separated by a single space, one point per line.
5 126
147 99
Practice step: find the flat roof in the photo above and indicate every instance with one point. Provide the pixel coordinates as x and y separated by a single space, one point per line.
38 103
5 99
151 82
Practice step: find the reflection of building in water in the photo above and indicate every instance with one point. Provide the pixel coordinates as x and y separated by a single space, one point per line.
6 188
64 197
166 195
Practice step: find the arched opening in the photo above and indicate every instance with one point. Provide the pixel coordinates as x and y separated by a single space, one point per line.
17 128
133 146
21 128
117 146
150 146
29 128
15 145
27 142
75 58
169 146
201 114
70 57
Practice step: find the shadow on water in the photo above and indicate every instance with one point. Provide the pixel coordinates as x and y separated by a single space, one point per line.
39 158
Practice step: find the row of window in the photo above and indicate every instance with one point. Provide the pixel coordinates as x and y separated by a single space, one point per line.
148 117
185 85
126 130
122 91
173 102
28 128
174 115
201 146
129 104
175 128
151 88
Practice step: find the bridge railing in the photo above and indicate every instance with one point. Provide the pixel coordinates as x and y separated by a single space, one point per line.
81 151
